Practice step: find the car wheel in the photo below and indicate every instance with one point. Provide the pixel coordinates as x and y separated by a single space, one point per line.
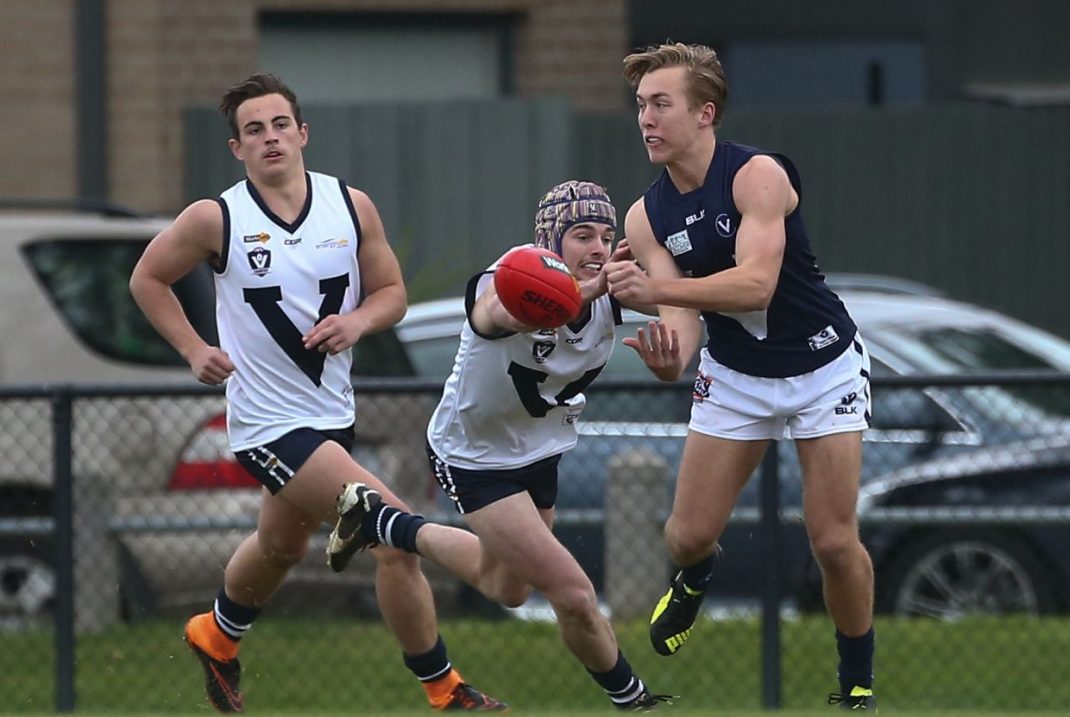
27 584
953 575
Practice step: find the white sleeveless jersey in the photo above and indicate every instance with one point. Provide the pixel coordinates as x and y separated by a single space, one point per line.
514 400
276 281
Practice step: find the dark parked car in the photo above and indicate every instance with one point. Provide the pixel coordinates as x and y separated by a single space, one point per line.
932 447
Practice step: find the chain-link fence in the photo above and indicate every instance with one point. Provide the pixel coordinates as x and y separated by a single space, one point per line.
120 509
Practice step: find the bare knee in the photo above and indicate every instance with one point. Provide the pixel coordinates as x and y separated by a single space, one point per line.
396 560
688 544
574 603
282 551
837 550
503 586
512 595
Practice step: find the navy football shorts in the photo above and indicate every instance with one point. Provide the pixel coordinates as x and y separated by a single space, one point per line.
471 490
275 463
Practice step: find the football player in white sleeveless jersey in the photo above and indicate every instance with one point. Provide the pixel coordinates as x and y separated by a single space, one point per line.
507 413
293 252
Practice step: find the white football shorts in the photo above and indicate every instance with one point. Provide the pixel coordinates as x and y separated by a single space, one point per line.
833 399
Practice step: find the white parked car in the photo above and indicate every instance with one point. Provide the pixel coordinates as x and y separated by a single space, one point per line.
160 503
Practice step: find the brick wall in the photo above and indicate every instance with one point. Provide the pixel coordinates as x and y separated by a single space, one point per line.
37 111
163 55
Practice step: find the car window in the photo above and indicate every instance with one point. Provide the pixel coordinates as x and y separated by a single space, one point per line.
1044 486
382 354
901 408
983 349
433 357
979 349
87 282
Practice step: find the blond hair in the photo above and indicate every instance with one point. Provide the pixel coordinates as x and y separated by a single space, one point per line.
706 80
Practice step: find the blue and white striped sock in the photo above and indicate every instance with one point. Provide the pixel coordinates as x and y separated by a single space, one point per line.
389 526
621 684
233 619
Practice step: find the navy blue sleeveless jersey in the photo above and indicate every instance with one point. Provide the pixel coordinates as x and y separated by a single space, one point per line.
806 324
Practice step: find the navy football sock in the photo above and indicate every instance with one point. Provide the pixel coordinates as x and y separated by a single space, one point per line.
387 525
620 683
699 575
232 618
856 660
431 665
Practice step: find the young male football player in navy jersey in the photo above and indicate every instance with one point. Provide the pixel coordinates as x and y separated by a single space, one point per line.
720 234
303 270
507 414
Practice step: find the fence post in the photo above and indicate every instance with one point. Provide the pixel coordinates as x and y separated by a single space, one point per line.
96 554
637 500
64 550
771 551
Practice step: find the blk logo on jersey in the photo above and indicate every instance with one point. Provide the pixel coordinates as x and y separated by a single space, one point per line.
260 261
723 222
541 350
698 217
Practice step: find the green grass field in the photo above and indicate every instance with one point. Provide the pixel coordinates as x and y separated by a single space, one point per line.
674 711
343 667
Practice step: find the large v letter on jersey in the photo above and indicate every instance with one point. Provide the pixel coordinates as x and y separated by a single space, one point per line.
526 382
266 303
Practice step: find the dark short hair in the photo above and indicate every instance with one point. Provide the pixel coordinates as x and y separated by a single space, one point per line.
254 86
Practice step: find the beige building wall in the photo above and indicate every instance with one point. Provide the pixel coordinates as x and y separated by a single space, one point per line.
164 55
37 113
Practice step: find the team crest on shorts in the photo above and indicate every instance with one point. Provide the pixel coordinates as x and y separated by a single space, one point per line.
701 391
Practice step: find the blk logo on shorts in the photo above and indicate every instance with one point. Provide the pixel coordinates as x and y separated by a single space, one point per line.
847 407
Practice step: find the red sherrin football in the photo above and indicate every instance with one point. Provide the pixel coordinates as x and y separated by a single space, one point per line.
536 287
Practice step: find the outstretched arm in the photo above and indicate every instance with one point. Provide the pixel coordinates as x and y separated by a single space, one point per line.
490 317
